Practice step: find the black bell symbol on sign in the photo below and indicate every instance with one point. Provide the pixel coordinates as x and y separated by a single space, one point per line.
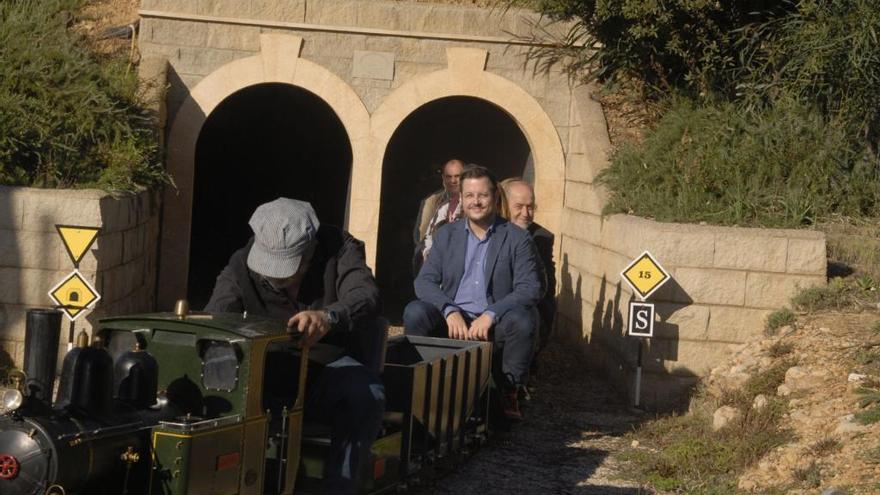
73 296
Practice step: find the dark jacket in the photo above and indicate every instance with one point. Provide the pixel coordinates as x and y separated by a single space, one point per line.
512 270
338 279
544 243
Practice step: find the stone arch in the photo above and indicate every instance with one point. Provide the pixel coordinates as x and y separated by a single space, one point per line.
277 62
464 76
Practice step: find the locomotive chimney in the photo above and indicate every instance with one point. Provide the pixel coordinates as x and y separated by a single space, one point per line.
42 332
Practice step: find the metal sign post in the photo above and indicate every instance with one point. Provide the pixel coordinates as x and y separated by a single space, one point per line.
75 294
645 276
641 324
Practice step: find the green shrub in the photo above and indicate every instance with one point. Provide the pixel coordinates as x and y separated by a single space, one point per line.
869 399
779 319
690 458
675 44
825 447
781 167
686 456
840 293
777 123
822 52
809 476
766 382
68 119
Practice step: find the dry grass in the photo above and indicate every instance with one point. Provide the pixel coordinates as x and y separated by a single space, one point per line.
99 15
854 243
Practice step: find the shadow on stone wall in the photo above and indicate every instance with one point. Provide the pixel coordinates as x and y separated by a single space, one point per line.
609 350
9 257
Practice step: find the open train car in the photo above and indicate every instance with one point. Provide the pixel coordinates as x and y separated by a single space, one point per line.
213 404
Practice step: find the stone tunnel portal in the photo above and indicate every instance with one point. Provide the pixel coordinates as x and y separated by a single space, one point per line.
260 143
468 128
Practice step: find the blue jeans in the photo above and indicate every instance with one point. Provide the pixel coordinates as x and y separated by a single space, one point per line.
350 399
513 337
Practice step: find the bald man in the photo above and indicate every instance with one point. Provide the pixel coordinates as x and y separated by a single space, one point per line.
521 206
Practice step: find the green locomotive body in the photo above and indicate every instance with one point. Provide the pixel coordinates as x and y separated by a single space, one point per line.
226 414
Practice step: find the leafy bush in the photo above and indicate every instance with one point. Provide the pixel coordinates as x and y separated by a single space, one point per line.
68 119
840 293
681 44
825 447
870 401
809 476
779 319
822 52
766 382
784 166
776 123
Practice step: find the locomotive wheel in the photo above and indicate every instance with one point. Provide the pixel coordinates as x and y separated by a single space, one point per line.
8 467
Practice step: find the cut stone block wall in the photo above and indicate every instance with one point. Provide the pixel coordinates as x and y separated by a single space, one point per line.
725 281
121 264
216 48
197 38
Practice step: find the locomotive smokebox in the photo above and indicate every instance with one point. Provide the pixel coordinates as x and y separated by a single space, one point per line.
42 332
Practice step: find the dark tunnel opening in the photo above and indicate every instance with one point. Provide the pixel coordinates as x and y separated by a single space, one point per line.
260 143
471 129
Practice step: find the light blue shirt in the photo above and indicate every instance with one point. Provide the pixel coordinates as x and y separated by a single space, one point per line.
470 298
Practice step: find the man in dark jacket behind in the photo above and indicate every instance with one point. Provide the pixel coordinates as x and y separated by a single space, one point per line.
521 208
315 278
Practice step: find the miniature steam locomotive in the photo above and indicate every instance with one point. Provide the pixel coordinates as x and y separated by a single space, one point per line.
201 404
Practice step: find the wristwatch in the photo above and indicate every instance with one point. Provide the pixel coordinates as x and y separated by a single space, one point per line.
332 317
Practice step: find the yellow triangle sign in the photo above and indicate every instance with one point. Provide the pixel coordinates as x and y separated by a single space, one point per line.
77 240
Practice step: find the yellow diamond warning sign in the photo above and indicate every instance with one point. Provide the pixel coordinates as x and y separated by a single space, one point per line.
74 294
77 240
645 275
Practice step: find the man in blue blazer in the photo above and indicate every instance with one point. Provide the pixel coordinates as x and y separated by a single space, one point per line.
481 281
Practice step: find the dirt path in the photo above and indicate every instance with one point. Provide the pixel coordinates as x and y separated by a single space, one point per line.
574 424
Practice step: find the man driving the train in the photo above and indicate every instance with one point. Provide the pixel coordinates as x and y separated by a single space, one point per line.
315 278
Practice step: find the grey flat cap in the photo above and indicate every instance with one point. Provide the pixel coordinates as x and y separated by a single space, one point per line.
284 230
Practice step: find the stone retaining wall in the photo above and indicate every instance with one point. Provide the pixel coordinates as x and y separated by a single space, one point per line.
121 265
725 280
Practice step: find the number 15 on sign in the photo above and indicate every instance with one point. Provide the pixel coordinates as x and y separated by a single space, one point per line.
645 275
